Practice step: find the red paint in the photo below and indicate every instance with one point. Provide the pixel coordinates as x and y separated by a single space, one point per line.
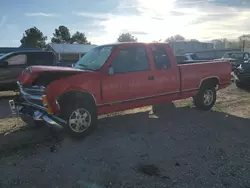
179 81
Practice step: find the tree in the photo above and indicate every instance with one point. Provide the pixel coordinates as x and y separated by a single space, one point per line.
175 38
61 35
79 38
126 37
33 38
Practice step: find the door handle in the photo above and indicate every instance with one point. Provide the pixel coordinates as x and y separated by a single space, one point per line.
151 77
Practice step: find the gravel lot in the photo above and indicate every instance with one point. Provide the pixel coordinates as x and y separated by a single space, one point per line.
177 147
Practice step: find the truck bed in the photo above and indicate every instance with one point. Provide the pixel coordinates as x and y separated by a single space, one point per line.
191 75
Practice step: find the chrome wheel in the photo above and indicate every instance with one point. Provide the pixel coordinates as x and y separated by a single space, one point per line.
208 97
80 120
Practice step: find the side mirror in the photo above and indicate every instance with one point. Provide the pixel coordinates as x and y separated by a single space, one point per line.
4 64
111 71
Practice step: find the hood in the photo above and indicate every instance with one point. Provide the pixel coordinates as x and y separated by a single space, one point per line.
44 75
52 69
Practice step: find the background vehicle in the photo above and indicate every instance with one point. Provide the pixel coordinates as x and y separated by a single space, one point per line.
184 59
236 58
12 64
242 75
115 77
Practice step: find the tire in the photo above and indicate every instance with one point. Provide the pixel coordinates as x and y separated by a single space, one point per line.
205 104
76 113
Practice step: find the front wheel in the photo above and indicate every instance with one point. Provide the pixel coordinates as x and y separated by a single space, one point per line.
81 118
205 98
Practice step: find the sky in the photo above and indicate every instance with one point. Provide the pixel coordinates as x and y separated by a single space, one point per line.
103 20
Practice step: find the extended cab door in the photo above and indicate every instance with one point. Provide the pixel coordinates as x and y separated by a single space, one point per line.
131 78
165 72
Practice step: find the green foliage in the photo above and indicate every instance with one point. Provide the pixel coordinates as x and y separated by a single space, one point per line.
79 38
126 37
33 38
62 36
175 38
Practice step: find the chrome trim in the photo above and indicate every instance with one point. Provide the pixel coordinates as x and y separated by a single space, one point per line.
27 103
148 97
51 122
28 96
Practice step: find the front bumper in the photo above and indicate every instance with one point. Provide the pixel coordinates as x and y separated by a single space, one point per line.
29 103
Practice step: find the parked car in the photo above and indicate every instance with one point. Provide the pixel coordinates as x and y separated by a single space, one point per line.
195 57
111 78
242 75
236 58
12 64
183 59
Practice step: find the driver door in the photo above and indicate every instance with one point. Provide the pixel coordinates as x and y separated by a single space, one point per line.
130 81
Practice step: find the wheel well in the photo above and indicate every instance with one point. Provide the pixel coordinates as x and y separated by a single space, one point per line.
76 95
210 82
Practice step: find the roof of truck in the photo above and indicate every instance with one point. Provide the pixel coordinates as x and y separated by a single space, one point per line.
124 43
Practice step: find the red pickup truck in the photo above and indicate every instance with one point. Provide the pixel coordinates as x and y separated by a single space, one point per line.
111 78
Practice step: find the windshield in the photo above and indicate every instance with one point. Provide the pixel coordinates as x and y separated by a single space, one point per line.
95 58
233 55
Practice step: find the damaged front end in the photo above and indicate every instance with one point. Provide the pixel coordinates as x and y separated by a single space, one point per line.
31 105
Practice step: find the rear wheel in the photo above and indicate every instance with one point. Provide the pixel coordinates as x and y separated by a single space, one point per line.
81 118
205 98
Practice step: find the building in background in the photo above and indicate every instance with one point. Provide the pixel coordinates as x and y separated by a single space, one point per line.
202 50
182 47
69 53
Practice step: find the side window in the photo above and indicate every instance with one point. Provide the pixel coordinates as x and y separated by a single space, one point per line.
131 59
17 60
161 58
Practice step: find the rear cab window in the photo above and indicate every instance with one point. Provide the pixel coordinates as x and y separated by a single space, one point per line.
160 56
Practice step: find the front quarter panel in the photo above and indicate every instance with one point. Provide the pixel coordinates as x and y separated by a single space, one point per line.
86 82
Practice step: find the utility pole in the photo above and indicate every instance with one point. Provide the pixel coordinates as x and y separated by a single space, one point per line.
243 44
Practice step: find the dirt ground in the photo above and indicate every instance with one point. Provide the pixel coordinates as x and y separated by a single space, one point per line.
176 147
